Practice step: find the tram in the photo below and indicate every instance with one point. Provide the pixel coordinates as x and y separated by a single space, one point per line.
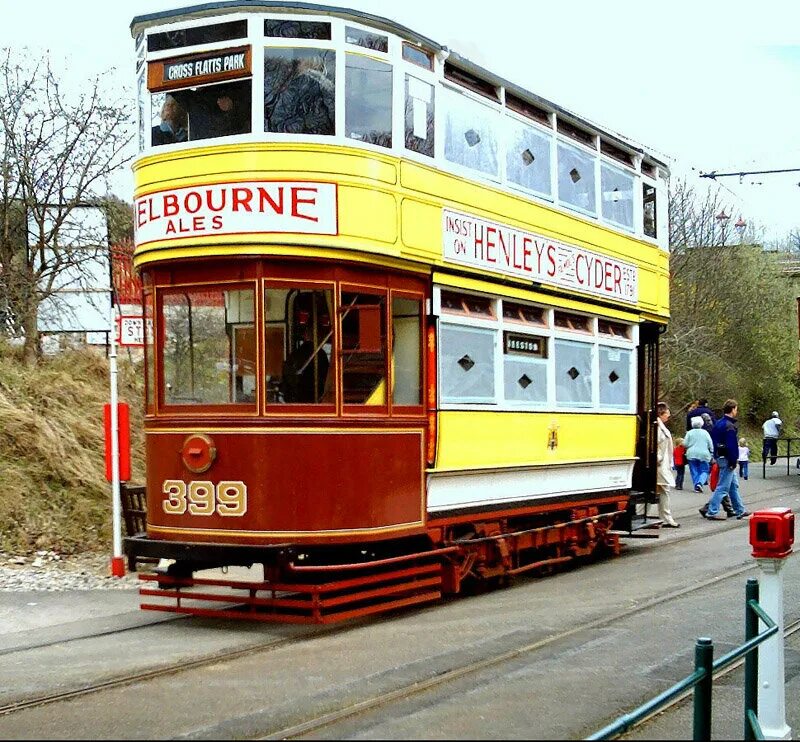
404 316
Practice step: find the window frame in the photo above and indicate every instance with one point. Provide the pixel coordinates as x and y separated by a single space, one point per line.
235 409
321 409
551 334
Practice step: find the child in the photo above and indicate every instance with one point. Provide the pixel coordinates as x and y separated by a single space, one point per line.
744 458
679 461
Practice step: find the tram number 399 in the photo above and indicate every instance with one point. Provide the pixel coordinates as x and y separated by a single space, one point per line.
228 499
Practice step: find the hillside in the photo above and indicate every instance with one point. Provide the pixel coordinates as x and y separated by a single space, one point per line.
53 491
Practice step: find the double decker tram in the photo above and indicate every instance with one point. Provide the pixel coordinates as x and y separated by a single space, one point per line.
405 316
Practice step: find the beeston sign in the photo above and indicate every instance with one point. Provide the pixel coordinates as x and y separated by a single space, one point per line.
499 247
240 208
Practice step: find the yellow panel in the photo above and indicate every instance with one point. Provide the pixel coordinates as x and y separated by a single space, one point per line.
275 160
387 208
370 214
491 439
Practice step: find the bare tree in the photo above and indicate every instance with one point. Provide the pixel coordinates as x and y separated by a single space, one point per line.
57 150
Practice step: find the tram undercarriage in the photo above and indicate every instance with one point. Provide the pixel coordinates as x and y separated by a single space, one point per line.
327 584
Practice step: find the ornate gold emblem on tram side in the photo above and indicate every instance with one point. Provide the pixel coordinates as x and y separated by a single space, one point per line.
552 436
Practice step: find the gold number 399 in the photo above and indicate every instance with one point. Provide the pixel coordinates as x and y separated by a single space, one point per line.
228 499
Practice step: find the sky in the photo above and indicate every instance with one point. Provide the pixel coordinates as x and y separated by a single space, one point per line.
708 85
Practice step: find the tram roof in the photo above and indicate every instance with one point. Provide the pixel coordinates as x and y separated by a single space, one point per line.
140 22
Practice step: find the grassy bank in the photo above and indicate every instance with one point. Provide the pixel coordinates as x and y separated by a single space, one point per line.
53 491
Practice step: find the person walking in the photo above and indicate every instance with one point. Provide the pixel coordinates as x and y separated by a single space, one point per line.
725 437
697 411
699 452
664 477
679 462
744 458
772 431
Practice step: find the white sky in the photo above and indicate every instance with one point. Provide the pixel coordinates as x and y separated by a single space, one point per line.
707 84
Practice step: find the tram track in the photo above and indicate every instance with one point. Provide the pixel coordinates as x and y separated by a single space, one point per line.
367 704
313 725
398 694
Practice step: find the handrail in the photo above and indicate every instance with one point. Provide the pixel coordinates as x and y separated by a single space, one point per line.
788 455
703 677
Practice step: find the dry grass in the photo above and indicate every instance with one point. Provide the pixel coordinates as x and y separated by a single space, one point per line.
53 491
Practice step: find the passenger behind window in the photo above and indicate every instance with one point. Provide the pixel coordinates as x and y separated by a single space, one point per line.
304 365
216 111
173 124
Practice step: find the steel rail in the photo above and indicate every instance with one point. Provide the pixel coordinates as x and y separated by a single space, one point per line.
414 688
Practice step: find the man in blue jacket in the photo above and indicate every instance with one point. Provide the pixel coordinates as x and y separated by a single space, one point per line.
725 436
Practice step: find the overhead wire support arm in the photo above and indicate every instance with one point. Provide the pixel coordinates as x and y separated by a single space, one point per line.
714 174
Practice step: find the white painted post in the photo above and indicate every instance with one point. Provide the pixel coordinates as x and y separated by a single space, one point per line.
771 691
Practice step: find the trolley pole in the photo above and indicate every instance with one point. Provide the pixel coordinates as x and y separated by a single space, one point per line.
772 536
117 561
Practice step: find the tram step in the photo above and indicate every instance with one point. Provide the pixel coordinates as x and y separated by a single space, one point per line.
322 603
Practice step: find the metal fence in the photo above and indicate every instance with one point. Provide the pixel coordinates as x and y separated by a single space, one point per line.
702 679
790 443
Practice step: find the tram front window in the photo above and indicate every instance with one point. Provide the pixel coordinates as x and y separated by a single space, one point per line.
298 338
201 113
209 346
363 319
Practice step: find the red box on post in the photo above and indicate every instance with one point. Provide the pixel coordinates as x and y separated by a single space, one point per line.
124 438
772 533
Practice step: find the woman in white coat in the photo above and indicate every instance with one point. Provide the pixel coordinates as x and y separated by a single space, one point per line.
665 479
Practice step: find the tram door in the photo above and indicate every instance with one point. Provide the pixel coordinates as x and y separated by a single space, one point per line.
644 471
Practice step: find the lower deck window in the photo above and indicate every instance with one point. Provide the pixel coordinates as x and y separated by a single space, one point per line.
209 346
298 335
467 364
573 373
615 377
363 318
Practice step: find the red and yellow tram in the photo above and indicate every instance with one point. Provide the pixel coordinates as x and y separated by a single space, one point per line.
405 315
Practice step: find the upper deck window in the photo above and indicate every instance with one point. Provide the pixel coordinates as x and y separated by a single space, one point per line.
528 157
300 91
368 101
417 56
611 151
529 110
469 81
616 186
471 130
196 35
291 29
203 113
419 116
576 179
649 210
366 39
576 133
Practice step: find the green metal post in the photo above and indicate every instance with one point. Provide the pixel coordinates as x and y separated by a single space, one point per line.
703 660
751 660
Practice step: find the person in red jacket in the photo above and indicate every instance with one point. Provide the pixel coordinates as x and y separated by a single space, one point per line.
679 462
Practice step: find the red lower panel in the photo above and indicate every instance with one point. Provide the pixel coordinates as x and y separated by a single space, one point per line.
333 482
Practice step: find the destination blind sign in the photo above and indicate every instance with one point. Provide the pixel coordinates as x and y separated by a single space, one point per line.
530 345
179 72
